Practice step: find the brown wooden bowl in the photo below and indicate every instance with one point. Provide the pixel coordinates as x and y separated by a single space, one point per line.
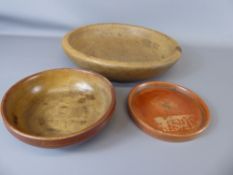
168 111
58 107
121 52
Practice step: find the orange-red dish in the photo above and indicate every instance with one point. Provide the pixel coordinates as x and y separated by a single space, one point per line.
168 111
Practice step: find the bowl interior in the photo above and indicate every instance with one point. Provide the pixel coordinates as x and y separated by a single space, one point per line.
58 102
123 43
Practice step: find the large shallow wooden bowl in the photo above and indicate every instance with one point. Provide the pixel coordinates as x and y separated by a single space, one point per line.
58 107
121 52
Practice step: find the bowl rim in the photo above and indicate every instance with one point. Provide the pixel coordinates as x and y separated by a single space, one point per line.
105 117
157 133
75 53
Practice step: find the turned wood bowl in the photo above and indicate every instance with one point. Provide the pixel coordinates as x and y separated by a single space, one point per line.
58 107
121 52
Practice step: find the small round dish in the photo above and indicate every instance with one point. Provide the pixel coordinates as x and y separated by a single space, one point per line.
58 107
121 52
168 111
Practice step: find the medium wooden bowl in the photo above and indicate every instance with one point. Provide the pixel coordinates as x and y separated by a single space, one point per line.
121 52
168 111
58 107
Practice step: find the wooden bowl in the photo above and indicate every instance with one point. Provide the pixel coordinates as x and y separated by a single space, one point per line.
121 52
168 111
58 107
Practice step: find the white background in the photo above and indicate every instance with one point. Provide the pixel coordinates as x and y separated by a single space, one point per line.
30 36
